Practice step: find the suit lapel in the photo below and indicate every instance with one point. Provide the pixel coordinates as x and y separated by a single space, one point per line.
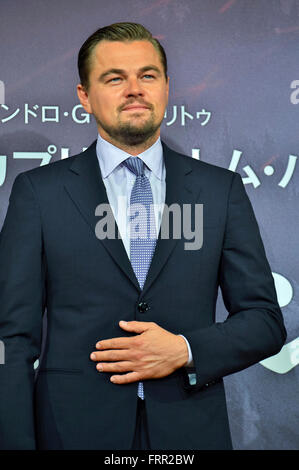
85 186
181 188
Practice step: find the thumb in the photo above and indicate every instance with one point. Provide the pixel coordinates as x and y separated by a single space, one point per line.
135 326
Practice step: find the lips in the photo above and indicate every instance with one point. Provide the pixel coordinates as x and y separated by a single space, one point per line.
135 106
128 108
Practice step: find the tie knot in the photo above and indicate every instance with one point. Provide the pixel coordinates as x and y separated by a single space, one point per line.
135 165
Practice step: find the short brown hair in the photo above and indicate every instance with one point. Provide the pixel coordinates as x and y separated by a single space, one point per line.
115 32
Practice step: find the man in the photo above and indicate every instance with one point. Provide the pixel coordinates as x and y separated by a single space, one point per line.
127 317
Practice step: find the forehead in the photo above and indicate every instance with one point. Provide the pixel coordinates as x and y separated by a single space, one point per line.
124 55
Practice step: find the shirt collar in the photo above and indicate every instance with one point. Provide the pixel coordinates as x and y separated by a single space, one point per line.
110 157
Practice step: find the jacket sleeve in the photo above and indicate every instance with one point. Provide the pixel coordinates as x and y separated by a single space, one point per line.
22 302
254 328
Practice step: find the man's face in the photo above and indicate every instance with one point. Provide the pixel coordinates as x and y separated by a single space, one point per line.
128 91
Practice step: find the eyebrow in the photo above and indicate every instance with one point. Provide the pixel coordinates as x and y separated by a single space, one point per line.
121 71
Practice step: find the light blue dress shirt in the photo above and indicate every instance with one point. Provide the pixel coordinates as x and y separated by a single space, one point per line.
119 181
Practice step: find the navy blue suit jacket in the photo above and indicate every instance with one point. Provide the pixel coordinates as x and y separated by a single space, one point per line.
51 261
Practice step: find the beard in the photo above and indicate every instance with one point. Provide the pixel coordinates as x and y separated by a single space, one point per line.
129 134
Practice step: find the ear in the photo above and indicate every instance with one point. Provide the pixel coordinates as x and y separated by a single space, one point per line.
167 88
83 98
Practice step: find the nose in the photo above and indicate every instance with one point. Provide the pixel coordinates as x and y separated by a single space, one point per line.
134 88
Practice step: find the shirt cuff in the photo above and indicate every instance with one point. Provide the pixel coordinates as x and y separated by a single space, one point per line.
190 362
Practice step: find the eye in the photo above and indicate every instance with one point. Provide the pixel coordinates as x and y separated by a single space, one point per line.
148 76
113 80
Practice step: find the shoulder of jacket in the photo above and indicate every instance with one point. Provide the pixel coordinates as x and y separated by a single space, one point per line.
53 170
204 167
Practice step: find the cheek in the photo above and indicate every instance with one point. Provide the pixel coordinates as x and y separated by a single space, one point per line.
162 103
104 105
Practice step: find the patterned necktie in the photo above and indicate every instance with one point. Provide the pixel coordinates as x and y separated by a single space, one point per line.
142 226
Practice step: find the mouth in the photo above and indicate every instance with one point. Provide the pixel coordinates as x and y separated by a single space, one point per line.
136 107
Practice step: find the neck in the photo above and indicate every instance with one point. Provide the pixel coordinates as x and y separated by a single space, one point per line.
133 150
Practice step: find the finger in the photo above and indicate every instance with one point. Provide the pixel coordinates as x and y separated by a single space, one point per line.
121 366
110 355
126 378
135 326
114 343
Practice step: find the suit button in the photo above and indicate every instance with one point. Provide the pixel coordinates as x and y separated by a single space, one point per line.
143 307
